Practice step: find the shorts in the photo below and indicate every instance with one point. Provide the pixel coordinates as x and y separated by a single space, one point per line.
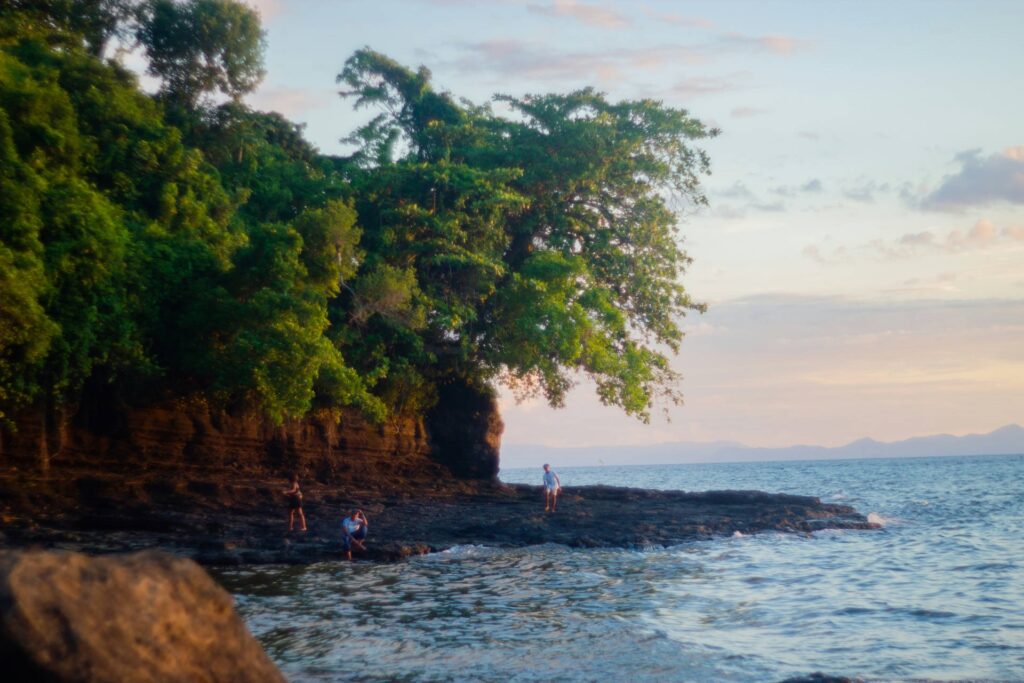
359 534
553 489
294 502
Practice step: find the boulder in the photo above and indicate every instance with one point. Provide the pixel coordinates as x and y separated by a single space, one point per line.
144 617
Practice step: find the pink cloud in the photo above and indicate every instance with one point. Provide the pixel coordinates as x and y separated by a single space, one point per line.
1014 233
706 85
591 15
536 61
746 112
268 9
677 19
778 45
982 235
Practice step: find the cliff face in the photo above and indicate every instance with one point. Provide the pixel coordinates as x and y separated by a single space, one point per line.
459 440
465 431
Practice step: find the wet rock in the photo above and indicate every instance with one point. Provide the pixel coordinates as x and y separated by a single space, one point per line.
146 617
246 522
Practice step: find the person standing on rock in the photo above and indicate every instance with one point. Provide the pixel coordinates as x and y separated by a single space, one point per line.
353 530
552 485
295 504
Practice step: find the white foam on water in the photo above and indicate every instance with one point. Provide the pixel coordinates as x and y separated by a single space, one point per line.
468 550
738 534
875 518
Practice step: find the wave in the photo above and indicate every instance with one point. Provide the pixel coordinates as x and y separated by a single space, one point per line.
875 518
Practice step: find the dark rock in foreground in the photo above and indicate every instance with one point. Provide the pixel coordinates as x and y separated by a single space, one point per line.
243 520
146 617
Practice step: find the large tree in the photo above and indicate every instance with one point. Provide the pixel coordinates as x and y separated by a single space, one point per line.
544 242
202 47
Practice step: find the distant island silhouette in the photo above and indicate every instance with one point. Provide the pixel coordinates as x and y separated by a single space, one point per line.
1007 440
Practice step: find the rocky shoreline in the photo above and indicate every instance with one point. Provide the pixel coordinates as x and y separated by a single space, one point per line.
225 521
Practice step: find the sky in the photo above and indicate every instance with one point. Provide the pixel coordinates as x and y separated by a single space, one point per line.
862 256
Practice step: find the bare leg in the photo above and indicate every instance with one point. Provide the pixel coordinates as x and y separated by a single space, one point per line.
554 500
291 519
302 518
547 500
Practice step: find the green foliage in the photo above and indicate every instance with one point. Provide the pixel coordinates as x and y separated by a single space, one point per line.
201 47
62 238
163 246
543 243
88 23
132 259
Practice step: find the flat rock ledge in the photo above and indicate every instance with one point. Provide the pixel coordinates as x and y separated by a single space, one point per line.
217 522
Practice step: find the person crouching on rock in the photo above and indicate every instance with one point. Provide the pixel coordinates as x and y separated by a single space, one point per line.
353 530
552 486
295 504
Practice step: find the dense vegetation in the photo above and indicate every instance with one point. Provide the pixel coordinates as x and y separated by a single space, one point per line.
183 244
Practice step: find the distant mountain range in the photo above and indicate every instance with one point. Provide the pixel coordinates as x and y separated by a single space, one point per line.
1003 441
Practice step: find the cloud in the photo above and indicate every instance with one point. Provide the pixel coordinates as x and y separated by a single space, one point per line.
925 238
539 61
813 252
536 61
268 9
808 135
591 15
735 191
706 85
777 45
831 257
866 191
677 19
983 234
741 200
981 181
746 112
940 279
812 186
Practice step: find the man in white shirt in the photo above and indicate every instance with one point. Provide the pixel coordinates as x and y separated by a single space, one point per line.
552 485
353 529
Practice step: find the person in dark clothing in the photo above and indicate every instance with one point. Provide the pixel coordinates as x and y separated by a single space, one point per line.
295 504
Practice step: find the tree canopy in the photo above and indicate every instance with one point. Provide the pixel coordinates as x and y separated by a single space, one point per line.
174 245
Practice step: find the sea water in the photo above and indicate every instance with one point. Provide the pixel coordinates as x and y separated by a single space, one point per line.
937 593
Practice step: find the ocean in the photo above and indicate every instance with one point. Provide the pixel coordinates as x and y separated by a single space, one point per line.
936 594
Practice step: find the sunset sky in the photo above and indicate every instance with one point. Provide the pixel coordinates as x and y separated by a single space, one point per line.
863 252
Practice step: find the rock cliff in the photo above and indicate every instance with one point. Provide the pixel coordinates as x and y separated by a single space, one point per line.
460 438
